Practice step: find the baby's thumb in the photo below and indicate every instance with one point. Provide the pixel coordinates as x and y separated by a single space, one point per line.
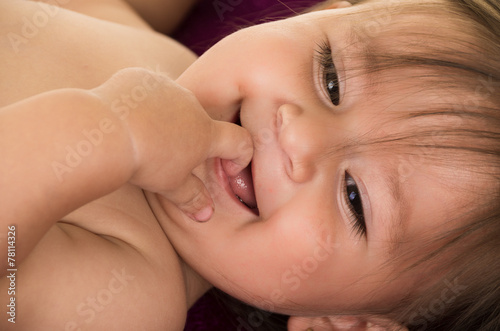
234 143
193 198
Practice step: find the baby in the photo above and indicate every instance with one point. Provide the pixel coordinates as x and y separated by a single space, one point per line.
371 198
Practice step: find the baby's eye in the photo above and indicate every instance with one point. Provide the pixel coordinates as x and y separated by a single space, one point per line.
332 84
355 205
330 76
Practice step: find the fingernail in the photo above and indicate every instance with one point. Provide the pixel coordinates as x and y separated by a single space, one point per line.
203 215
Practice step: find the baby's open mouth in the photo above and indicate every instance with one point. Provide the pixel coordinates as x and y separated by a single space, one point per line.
242 183
242 187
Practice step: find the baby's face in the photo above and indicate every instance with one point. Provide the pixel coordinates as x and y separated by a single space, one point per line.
330 213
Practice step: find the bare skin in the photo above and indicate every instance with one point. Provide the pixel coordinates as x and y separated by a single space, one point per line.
134 269
112 258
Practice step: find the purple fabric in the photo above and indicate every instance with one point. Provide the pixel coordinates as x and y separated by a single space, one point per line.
210 21
208 314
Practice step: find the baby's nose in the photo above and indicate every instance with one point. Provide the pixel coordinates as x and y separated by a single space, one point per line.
302 139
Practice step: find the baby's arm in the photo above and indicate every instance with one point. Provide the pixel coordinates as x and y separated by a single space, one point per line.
163 15
54 160
67 147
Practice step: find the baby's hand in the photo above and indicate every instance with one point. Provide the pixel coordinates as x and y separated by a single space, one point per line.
170 135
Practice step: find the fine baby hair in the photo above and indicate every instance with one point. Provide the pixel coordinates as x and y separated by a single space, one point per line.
456 64
463 59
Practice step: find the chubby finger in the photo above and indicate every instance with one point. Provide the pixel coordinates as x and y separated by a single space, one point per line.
234 143
193 198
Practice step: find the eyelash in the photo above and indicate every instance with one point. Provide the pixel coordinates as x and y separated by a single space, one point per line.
329 72
352 198
355 205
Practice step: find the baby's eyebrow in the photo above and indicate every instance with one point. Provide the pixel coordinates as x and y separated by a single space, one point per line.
360 48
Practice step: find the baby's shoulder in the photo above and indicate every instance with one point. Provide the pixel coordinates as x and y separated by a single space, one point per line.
45 48
105 263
